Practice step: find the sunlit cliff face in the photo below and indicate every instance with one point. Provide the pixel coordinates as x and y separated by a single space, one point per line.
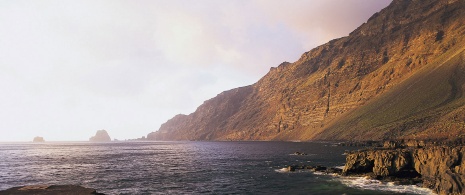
70 68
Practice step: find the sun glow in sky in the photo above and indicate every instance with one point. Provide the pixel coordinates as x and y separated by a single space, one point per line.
70 68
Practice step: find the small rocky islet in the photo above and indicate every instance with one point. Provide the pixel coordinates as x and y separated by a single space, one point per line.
38 139
100 136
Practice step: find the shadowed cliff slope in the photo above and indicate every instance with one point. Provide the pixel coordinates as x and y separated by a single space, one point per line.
430 104
398 75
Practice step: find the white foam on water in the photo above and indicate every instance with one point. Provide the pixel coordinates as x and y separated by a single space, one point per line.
371 184
282 170
319 173
340 167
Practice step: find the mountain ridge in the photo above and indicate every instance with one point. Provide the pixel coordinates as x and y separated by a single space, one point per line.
310 99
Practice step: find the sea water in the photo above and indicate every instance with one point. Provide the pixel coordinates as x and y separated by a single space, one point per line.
185 168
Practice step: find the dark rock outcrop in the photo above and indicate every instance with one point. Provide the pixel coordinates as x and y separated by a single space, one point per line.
381 162
50 190
38 139
300 153
318 168
100 136
399 75
441 168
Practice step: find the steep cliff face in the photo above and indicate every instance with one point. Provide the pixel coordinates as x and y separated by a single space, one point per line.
441 168
401 74
209 121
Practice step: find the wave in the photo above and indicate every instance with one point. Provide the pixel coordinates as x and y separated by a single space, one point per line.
372 184
282 170
340 167
319 173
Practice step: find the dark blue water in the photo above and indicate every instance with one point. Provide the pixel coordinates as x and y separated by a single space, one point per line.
183 168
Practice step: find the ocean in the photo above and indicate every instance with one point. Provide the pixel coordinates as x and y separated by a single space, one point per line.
185 168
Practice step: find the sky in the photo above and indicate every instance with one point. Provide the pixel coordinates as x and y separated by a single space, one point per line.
69 68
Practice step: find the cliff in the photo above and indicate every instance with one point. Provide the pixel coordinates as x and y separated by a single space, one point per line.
399 75
209 121
100 136
441 168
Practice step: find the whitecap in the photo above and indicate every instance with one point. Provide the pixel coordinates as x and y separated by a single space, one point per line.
372 184
340 167
282 170
319 173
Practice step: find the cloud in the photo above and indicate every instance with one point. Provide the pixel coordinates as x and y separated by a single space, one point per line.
317 22
68 68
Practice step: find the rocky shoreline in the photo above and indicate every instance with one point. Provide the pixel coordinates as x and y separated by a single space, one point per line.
435 164
438 165
50 190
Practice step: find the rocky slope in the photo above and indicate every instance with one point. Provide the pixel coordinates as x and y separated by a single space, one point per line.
399 75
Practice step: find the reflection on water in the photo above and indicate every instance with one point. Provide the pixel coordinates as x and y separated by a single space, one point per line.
174 167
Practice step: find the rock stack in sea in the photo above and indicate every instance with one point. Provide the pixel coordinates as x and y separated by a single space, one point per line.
38 139
101 136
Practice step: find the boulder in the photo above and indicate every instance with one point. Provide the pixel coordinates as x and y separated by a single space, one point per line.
334 170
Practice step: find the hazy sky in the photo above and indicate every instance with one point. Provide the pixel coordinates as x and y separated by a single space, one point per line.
70 68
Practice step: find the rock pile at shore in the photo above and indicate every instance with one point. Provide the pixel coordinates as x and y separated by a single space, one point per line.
318 168
441 168
50 190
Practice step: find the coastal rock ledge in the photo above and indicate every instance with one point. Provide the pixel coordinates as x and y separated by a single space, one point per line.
440 168
50 190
